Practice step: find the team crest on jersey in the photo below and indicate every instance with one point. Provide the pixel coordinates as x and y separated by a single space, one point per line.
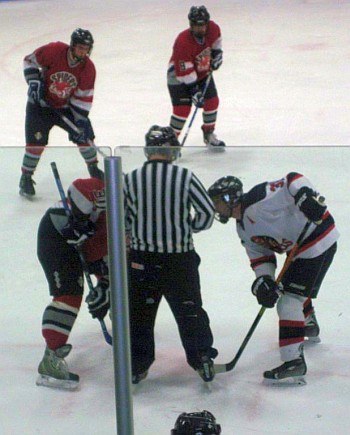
62 84
203 60
271 243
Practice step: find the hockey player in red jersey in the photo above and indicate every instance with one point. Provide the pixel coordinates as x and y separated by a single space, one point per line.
61 81
58 239
269 220
196 52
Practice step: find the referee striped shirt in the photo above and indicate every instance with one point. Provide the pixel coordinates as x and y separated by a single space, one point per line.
164 205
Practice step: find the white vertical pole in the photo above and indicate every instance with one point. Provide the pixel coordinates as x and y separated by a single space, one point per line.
119 295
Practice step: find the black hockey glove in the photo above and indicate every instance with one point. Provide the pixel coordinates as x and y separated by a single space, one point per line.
98 299
265 289
35 90
198 99
216 59
197 96
310 204
99 267
76 232
85 133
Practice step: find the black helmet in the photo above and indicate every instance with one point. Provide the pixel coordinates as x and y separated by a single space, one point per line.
229 189
81 36
160 140
198 15
196 423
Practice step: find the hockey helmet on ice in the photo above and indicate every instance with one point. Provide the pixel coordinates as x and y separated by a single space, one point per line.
196 423
163 141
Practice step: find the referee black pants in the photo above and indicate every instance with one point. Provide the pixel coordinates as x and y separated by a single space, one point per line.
176 277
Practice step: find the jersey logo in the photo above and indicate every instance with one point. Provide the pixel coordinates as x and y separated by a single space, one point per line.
203 60
63 83
271 243
274 185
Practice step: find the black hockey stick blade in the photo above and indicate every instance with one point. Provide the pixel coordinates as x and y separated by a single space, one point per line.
223 368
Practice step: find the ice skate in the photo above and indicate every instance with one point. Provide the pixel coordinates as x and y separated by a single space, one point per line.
54 372
26 185
206 369
95 171
136 379
312 329
290 372
212 141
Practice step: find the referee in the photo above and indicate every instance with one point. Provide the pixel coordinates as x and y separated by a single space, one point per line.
159 197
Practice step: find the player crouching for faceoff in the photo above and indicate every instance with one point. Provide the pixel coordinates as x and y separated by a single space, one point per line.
59 237
269 220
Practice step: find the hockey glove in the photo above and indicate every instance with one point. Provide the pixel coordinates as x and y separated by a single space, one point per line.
216 59
98 299
266 291
196 95
76 232
99 267
198 99
35 90
84 134
310 204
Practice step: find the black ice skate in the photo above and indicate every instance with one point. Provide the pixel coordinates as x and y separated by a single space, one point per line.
212 141
53 370
206 369
312 329
26 185
136 379
95 171
291 372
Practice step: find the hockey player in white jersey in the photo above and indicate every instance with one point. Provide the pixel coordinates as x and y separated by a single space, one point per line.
269 220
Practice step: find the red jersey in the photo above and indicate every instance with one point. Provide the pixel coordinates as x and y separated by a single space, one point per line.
190 58
64 83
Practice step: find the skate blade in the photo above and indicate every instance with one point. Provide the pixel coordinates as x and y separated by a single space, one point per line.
293 380
25 195
216 149
314 340
60 384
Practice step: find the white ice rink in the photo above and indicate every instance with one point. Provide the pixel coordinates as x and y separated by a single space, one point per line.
284 92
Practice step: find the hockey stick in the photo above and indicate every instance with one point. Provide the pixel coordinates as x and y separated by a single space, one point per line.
106 334
196 109
222 368
72 126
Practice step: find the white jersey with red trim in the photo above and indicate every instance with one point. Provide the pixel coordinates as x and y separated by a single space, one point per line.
65 84
271 223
